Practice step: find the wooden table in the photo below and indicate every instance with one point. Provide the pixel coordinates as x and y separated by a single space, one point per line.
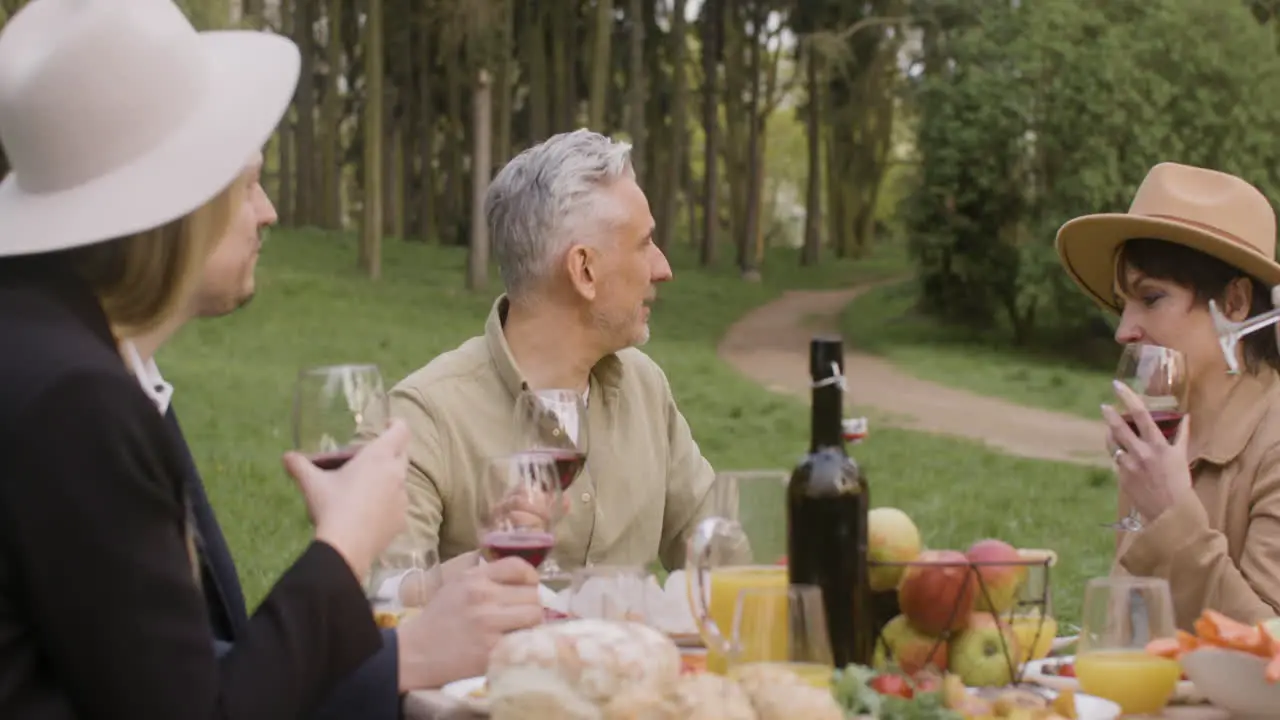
435 705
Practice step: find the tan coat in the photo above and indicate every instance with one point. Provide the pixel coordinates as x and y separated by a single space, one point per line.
645 484
1219 547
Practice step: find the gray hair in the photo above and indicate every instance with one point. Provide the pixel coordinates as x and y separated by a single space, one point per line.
531 204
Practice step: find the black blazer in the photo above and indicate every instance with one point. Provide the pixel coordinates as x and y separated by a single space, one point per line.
370 693
100 614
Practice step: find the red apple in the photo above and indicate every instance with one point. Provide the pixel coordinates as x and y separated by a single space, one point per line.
998 564
936 592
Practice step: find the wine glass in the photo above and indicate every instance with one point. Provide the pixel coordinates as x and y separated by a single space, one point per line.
401 582
1158 375
1121 616
784 626
554 422
519 503
330 403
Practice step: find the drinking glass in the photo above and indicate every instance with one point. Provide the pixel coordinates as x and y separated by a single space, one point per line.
330 403
554 422
623 593
784 626
1158 375
519 503
1121 615
402 582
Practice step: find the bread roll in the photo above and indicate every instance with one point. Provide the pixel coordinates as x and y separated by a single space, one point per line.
597 659
641 704
784 702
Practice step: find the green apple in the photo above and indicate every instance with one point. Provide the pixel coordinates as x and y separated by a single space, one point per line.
985 653
912 650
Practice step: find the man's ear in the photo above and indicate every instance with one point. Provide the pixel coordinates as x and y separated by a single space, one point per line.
1238 299
583 262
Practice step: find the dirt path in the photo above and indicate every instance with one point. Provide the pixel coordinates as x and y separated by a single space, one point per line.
771 343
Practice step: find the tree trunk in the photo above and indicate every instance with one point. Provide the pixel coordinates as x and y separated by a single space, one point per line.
751 226
711 131
331 114
636 92
813 185
426 138
539 84
505 77
481 159
600 65
371 227
678 131
305 104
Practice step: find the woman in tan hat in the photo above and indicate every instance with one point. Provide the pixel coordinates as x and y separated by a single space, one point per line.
1210 500
128 131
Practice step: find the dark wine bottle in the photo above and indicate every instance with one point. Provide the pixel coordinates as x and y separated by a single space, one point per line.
827 505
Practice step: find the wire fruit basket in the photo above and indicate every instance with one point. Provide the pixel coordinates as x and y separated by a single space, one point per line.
981 620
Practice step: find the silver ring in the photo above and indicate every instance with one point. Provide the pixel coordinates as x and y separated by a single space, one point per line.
1115 456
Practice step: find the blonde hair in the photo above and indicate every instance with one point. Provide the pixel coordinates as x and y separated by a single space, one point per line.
144 279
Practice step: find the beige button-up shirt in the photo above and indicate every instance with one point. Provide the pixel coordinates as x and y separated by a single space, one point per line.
644 487
1219 546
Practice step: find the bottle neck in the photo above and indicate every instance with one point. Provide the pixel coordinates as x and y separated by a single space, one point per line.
826 428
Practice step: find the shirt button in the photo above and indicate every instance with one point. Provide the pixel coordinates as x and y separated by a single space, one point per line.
586 497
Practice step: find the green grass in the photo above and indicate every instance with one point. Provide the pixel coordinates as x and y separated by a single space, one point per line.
883 321
234 375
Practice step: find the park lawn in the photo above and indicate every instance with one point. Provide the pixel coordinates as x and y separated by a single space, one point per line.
233 377
883 321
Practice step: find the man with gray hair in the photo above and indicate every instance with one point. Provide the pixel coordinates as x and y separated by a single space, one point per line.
573 235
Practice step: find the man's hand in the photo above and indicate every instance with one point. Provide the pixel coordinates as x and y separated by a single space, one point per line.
452 637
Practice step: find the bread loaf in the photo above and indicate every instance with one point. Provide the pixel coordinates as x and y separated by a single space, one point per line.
595 658
536 694
712 697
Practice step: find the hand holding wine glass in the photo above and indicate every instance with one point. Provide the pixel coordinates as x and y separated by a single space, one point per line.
1149 440
359 508
554 422
519 503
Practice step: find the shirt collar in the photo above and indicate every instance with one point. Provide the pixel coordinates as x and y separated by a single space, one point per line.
149 378
1246 402
608 371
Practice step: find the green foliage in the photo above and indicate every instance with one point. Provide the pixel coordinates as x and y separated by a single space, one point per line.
1045 110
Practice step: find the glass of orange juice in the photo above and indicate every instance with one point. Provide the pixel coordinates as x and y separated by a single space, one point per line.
1122 615
784 626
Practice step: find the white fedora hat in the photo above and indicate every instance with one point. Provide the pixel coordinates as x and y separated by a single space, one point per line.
117 117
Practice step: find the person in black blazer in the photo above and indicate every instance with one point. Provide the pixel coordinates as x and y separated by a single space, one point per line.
451 637
127 131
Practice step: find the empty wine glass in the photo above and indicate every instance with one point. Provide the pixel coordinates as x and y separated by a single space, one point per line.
1158 375
330 403
519 503
402 582
1121 616
554 422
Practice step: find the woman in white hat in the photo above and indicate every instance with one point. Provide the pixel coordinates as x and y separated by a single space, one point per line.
127 132
1210 500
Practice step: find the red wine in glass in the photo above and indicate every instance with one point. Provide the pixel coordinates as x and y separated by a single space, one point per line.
1166 420
531 546
569 464
333 459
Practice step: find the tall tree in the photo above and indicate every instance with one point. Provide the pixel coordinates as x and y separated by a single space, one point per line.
371 226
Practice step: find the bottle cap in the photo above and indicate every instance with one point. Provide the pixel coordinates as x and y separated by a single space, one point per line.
855 430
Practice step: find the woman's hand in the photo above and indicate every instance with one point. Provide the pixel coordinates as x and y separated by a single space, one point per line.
1153 472
360 508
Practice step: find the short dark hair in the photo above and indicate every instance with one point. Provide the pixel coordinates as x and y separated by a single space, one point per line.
1207 278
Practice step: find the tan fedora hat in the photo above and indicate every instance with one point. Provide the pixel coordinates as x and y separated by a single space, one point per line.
117 116
1210 211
